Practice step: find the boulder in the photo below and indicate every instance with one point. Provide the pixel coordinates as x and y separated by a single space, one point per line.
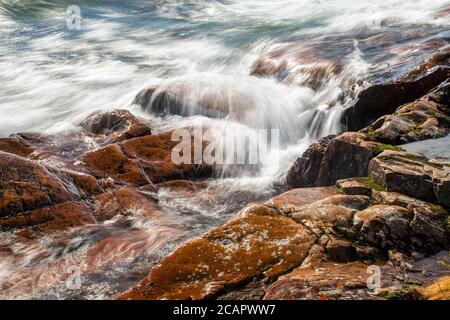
16 145
141 161
405 230
411 122
327 281
346 156
27 185
305 170
258 242
201 95
332 159
111 161
116 125
403 172
358 186
384 98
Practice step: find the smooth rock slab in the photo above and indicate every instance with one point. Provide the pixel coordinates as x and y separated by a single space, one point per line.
258 242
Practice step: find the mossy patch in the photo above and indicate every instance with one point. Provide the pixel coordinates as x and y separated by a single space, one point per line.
338 190
381 147
369 183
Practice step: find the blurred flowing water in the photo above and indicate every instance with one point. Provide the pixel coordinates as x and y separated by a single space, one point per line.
52 77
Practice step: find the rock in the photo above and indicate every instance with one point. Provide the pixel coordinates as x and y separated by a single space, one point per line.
404 173
154 154
27 185
305 170
340 251
441 94
186 185
196 96
415 121
380 99
440 175
439 290
291 65
346 156
55 218
16 145
292 200
87 185
258 242
357 186
393 227
125 202
324 282
330 214
111 161
116 125
141 161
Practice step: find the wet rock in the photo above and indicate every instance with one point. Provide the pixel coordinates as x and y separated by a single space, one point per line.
297 64
16 145
404 173
86 184
111 161
27 185
116 125
258 242
55 218
124 202
441 94
381 99
186 185
199 96
305 170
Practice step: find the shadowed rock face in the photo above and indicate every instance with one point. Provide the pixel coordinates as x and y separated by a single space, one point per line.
331 159
381 99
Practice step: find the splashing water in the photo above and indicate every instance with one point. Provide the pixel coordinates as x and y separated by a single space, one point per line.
204 52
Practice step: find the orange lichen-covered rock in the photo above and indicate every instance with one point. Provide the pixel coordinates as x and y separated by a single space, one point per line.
257 242
110 161
54 218
324 282
15 145
290 201
124 201
26 185
141 160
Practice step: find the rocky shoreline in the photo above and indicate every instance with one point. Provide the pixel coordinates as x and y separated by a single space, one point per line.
354 201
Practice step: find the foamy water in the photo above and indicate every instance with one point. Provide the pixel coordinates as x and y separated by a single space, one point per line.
52 77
